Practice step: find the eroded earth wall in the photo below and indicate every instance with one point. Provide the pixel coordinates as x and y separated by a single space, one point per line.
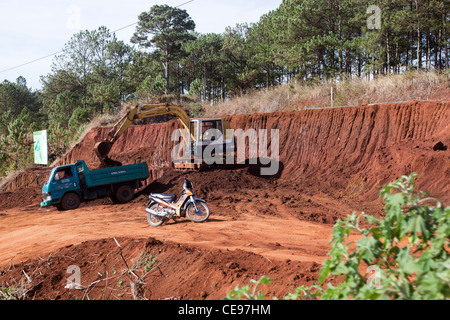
348 152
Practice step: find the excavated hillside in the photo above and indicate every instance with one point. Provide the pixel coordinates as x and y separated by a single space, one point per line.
345 152
332 162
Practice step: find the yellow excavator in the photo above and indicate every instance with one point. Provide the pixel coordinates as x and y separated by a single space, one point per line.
197 135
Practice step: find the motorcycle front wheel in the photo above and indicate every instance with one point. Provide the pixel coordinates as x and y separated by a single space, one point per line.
154 220
199 215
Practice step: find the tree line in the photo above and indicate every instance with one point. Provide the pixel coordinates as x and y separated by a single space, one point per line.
302 40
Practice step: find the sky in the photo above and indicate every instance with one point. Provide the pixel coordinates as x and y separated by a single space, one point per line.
33 29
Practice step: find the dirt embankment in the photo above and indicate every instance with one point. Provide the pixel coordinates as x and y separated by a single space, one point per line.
168 271
332 162
345 152
353 151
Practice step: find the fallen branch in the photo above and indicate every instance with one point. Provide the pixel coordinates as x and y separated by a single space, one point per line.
28 278
129 273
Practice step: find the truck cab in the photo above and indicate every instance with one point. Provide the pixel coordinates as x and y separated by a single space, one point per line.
61 180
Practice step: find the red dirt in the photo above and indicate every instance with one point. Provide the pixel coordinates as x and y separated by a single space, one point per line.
333 161
179 271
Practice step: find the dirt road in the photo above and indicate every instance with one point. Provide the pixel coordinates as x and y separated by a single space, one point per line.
32 231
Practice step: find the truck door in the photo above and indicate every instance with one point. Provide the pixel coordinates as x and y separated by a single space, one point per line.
65 180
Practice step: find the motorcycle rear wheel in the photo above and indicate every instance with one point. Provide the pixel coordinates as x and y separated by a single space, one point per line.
154 220
201 215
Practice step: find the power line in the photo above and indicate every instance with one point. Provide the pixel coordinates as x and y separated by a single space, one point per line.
60 51
30 62
180 5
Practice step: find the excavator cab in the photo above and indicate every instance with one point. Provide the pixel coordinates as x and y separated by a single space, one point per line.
203 134
210 132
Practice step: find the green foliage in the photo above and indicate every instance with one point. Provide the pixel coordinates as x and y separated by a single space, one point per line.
92 68
6 293
206 64
196 88
152 87
238 50
407 249
80 116
145 261
17 291
14 97
195 110
19 116
245 293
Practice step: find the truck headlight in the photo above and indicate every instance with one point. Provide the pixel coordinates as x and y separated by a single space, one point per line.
47 196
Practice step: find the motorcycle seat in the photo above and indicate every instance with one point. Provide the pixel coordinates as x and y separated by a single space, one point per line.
165 197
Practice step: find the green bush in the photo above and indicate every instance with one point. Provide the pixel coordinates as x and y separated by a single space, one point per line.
408 248
244 292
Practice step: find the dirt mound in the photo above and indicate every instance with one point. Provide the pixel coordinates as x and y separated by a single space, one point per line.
167 270
238 191
147 143
29 178
20 198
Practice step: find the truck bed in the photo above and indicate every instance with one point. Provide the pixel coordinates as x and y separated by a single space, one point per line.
114 175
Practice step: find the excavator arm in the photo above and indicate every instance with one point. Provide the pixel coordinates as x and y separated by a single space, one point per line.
103 148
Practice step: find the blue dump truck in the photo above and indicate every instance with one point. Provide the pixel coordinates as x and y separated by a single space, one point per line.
67 186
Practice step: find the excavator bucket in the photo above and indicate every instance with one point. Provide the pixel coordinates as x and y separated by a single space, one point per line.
102 150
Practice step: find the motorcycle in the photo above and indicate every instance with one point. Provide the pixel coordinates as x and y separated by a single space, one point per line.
163 207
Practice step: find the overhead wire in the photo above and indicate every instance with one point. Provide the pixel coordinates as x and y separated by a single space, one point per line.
60 51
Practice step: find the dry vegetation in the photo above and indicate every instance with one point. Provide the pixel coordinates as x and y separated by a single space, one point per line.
297 96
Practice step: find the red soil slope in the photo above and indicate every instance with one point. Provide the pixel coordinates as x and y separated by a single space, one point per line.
351 151
332 161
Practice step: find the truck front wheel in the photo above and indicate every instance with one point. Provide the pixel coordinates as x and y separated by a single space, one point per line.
70 201
124 194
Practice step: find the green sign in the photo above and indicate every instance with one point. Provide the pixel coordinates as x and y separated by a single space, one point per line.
40 147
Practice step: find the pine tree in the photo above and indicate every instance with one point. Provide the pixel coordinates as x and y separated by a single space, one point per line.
170 28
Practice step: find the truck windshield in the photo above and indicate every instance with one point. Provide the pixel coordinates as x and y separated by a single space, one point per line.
211 128
64 173
50 176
